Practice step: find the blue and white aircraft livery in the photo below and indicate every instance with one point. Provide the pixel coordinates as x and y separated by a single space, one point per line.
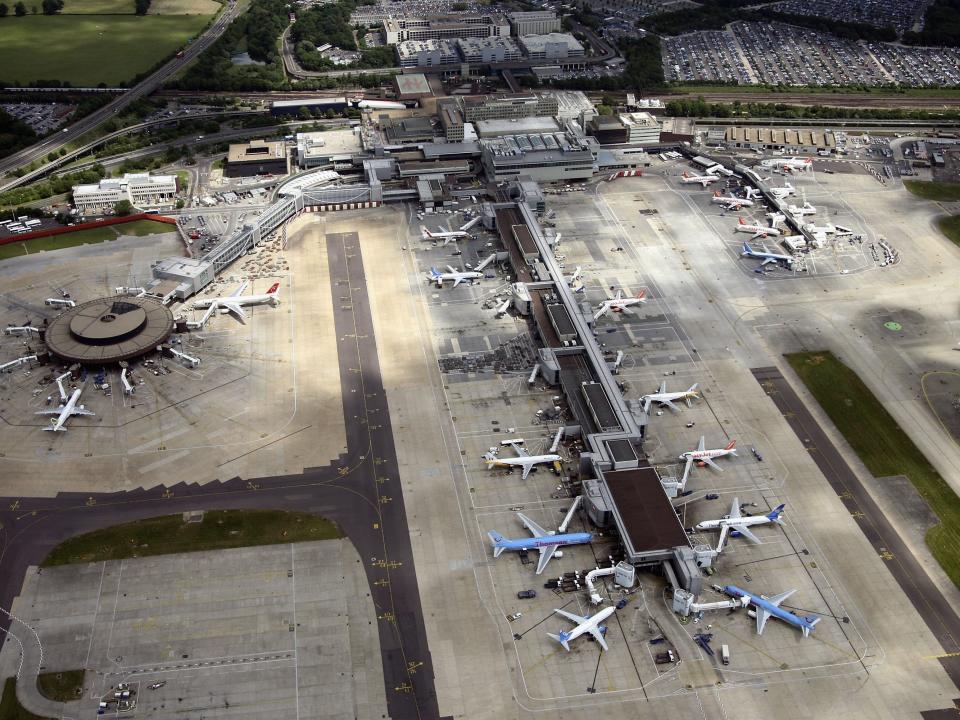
737 524
590 624
765 607
546 543
767 257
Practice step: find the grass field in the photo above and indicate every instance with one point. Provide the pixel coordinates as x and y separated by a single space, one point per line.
98 7
183 7
950 226
89 49
138 228
10 709
883 446
61 686
940 191
219 530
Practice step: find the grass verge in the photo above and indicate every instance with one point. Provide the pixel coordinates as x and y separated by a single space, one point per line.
92 236
928 190
882 446
10 709
950 226
61 686
218 530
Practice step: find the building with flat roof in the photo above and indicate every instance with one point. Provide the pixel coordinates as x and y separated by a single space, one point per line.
516 126
407 130
333 148
280 108
642 127
451 118
798 141
142 190
607 129
440 27
412 86
489 49
552 46
546 157
492 107
538 22
427 53
257 157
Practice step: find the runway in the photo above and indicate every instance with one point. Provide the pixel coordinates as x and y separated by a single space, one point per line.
360 490
931 605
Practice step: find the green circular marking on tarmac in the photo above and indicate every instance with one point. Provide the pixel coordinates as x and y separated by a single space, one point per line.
895 326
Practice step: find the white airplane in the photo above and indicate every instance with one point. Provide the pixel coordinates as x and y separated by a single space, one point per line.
662 397
236 302
523 458
67 409
503 307
757 230
574 280
782 192
590 624
620 303
705 457
788 164
735 523
767 257
730 202
459 276
445 236
704 180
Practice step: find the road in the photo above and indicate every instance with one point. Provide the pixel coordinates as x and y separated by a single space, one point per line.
54 142
360 491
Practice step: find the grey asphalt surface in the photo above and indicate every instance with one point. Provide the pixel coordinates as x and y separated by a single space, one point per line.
939 616
360 490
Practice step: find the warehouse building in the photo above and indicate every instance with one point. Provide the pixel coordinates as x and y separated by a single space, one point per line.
427 53
792 141
397 30
552 46
489 49
539 22
547 157
142 190
257 157
332 149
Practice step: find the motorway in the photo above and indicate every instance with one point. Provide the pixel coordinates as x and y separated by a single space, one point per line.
54 142
360 491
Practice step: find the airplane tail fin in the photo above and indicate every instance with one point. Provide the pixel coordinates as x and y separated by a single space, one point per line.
686 174
812 620
642 295
740 221
777 512
731 446
693 389
562 639
273 289
495 541
747 248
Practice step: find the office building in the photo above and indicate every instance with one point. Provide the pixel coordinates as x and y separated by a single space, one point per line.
407 130
552 46
329 149
257 157
489 49
143 190
427 53
452 120
399 30
495 107
547 157
539 22
642 127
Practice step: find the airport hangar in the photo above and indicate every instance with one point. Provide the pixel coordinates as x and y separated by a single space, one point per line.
620 487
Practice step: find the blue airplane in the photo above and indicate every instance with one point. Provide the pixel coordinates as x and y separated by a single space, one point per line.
542 541
765 607
767 257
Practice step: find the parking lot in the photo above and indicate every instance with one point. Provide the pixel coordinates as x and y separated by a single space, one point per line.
41 117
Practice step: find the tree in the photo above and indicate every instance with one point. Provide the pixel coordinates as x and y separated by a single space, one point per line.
4 10
124 207
52 7
20 9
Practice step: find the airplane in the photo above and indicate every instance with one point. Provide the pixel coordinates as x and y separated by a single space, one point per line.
574 281
767 257
757 230
523 458
705 457
765 607
68 408
445 236
590 624
735 523
503 307
236 302
544 542
704 180
662 397
730 202
788 164
620 303
459 276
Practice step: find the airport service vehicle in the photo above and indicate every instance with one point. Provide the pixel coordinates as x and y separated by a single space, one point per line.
736 524
620 304
705 457
730 202
757 230
789 164
68 407
766 607
662 397
664 658
704 180
546 543
526 594
524 459
766 256
236 302
725 654
590 624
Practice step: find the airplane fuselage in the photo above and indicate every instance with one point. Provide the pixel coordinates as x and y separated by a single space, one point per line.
775 610
585 627
546 541
522 461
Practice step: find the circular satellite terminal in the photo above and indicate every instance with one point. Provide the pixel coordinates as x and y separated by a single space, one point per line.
109 329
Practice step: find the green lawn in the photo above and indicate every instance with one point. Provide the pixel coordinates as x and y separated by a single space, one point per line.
883 446
89 49
138 228
950 226
218 530
10 709
61 686
940 191
98 7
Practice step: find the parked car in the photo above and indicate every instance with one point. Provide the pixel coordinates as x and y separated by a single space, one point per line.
526 594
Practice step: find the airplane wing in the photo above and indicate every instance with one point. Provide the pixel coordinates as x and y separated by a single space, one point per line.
598 636
669 404
545 554
519 449
703 445
239 290
735 508
457 280
527 467
742 529
762 616
723 537
767 261
711 463
234 308
571 617
530 525
777 599
759 234
49 412
450 268
604 309
663 388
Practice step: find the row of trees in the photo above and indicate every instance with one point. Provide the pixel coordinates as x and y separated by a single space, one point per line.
56 185
941 26
49 7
